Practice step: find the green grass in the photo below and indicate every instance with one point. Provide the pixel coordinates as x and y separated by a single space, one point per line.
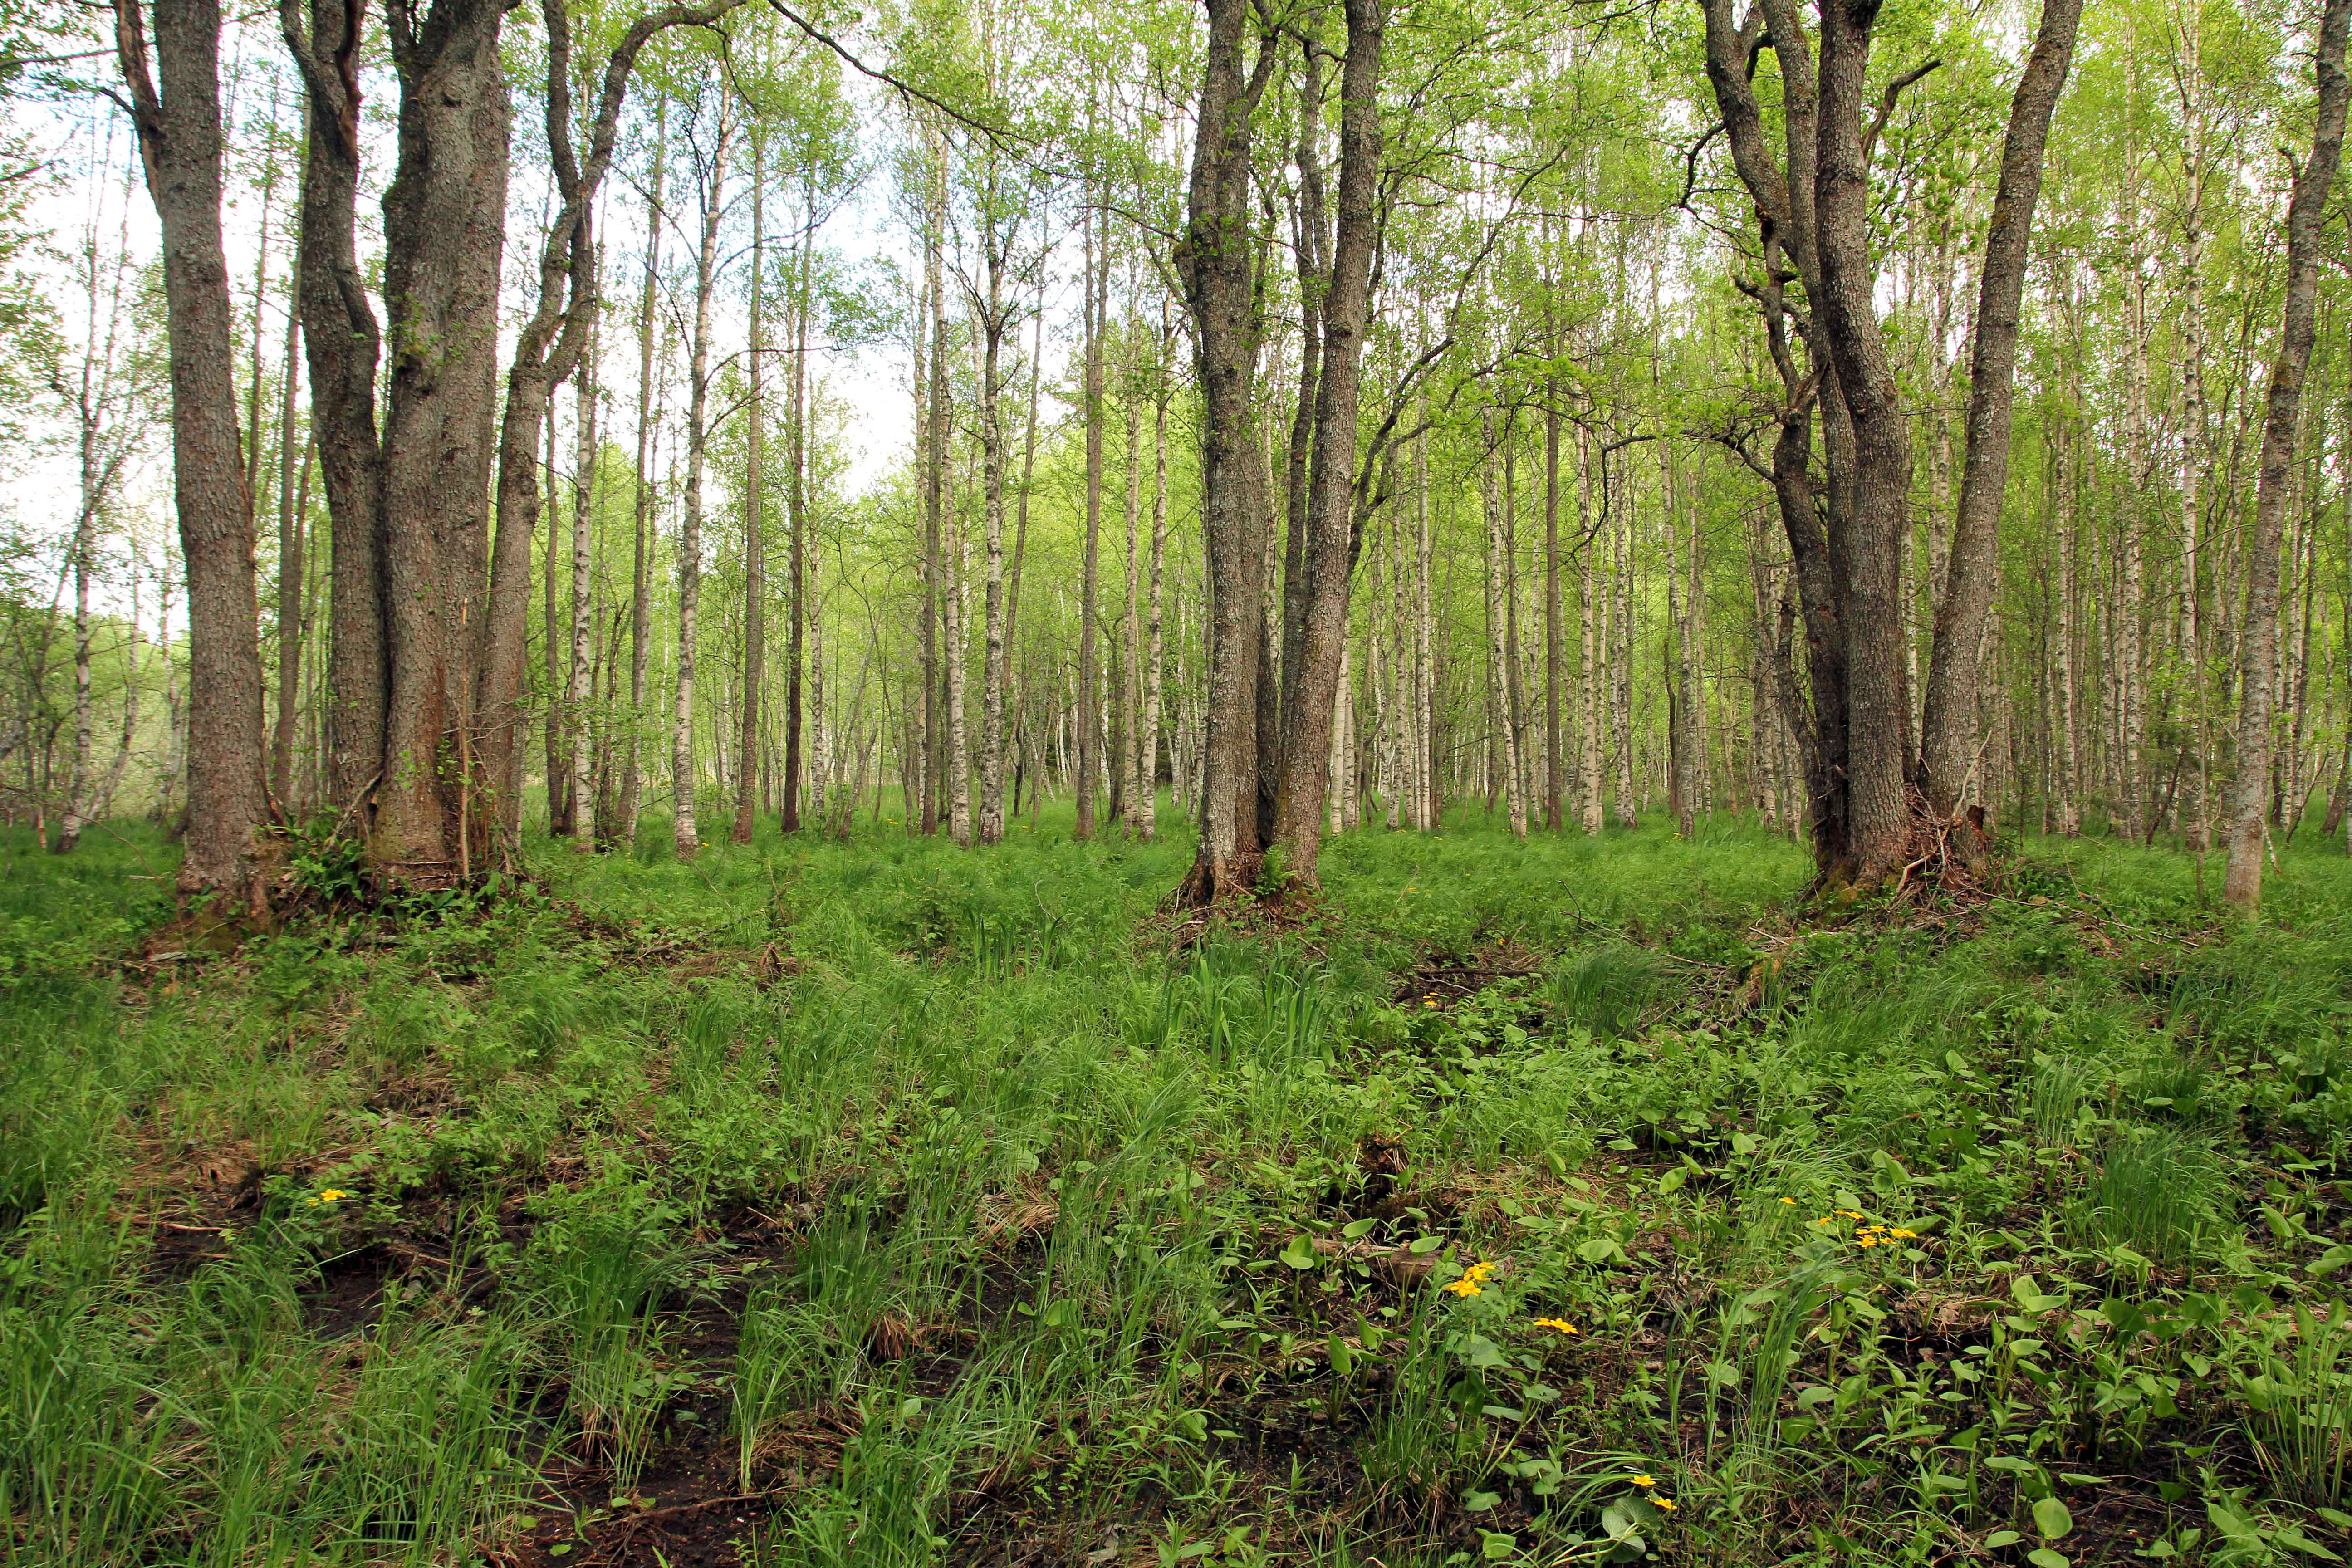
880 1202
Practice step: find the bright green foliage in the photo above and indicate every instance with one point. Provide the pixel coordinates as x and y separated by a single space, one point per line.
1564 1202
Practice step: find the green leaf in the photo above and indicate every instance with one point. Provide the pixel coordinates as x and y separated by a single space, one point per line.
1343 1360
2002 1538
1479 1502
2051 1518
2042 1557
2329 1261
1422 1245
1598 1251
2290 1536
1355 1228
1300 1253
2232 1525
1497 1546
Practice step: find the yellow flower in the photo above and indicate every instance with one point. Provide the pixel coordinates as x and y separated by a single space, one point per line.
1466 1287
331 1195
1791 1202
1644 1482
1868 1241
1666 1503
1906 1235
1562 1325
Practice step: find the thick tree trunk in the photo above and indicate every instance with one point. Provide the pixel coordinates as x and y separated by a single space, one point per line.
177 111
1328 558
2242 887
1216 260
1869 542
1949 735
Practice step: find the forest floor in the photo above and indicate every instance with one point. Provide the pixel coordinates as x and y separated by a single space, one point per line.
887 1203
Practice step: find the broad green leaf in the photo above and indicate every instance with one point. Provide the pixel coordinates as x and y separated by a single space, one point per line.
2051 1518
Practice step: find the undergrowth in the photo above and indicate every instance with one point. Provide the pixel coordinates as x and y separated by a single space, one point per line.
885 1203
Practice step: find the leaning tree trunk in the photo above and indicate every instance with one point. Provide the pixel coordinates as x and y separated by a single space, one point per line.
2258 640
178 115
1949 735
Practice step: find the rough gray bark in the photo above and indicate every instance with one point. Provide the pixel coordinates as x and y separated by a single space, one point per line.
1949 734
343 343
1333 539
1866 550
2258 642
177 113
1216 258
445 229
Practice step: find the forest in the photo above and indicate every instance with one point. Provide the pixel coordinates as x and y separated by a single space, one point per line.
1204 782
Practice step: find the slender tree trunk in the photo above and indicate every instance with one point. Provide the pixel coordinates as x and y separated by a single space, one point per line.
1097 277
755 544
959 746
1147 726
796 655
341 344
997 241
292 454
1554 735
2258 641
580 690
934 484
641 577
684 837
1498 643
